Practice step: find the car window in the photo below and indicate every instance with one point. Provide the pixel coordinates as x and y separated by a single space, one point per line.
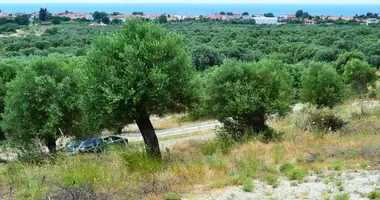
115 138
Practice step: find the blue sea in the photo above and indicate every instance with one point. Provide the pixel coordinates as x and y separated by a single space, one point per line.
277 9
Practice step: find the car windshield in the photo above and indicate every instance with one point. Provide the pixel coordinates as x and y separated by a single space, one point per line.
74 143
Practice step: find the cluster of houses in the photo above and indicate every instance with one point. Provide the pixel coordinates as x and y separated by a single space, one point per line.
259 18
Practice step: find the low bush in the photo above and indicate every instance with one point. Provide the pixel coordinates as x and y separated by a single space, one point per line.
363 164
237 179
337 165
375 194
311 119
286 167
344 196
248 185
296 174
271 179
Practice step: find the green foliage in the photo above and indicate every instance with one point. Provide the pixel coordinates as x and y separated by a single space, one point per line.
116 21
204 57
286 167
271 179
337 165
142 70
360 75
41 103
22 19
322 86
99 16
343 59
162 19
55 21
248 186
238 179
296 174
138 161
172 196
344 196
364 164
375 194
299 13
248 92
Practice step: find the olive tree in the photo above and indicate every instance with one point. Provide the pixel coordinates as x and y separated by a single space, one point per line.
360 75
343 59
249 92
142 70
7 73
204 57
41 103
321 85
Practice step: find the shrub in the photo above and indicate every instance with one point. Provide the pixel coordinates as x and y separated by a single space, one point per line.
337 165
271 179
322 86
324 119
296 174
42 103
344 196
286 167
375 194
241 95
364 164
237 179
248 185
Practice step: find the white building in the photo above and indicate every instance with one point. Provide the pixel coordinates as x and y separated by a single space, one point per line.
372 21
266 20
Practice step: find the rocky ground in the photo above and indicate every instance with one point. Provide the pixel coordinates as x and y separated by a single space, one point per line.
327 185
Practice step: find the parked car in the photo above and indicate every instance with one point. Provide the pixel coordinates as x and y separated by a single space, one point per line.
93 145
73 146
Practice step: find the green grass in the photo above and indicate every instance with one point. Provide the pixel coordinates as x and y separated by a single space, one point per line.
296 174
286 167
337 165
375 194
237 179
344 196
218 183
364 164
271 179
172 196
248 185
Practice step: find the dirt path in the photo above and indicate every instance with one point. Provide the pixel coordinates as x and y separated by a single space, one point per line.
356 184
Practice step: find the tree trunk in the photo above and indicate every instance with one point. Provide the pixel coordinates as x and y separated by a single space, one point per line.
257 124
361 103
51 144
2 136
150 137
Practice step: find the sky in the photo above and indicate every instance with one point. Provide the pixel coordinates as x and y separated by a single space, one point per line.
198 1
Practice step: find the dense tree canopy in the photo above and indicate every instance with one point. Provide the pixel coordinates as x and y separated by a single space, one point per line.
141 71
321 85
249 92
40 103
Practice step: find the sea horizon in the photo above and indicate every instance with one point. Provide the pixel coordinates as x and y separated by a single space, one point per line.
197 9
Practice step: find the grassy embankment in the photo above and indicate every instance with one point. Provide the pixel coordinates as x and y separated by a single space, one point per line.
199 165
